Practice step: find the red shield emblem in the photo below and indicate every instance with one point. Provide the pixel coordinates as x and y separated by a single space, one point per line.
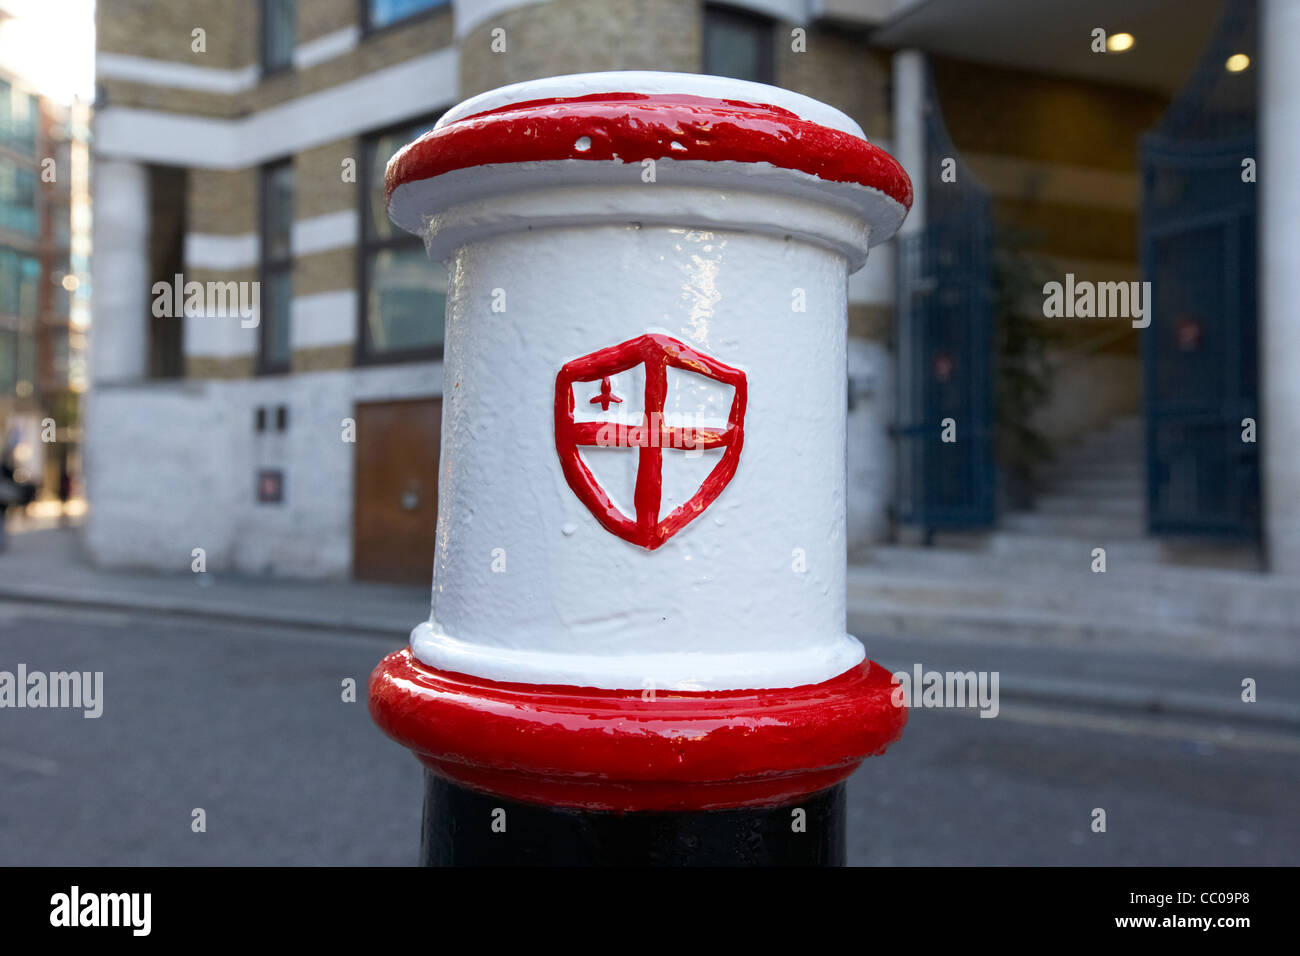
649 438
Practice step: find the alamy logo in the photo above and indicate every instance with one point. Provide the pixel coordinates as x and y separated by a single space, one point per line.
213 300
932 689
1098 300
75 908
83 690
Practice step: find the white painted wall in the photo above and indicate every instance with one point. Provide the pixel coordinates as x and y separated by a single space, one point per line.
174 469
120 271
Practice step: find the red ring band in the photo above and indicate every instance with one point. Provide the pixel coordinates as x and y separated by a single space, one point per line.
623 750
632 127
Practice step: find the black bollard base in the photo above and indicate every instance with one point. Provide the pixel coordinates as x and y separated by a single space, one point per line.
464 827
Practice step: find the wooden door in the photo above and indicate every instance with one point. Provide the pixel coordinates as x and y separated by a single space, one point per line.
396 490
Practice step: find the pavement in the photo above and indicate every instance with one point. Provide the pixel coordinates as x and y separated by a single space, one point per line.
45 564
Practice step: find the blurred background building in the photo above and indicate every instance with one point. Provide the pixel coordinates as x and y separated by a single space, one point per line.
245 140
43 206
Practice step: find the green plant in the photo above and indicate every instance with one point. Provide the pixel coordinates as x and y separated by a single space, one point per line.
1024 376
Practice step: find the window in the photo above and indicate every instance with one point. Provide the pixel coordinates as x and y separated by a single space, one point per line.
167 191
8 361
277 267
381 13
403 294
279 32
29 286
25 366
17 198
17 119
738 44
20 278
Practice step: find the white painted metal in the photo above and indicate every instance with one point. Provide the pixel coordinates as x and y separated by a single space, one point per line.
583 255
638 81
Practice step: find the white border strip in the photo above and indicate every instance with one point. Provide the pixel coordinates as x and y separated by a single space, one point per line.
379 99
319 320
205 250
331 230
178 76
323 319
188 76
327 47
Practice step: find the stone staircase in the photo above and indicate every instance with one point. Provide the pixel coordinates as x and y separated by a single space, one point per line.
1031 580
1094 491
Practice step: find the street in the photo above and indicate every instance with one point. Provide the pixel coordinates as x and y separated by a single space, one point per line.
247 723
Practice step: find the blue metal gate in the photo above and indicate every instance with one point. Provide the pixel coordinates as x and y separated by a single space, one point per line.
946 347
1198 253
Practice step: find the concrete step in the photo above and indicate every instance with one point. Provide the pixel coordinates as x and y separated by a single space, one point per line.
1099 468
1126 422
1061 548
1100 485
1193 597
1040 628
1097 525
1018 556
1100 445
1133 506
1129 427
1192 609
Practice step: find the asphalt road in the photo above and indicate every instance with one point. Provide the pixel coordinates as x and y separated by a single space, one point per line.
248 724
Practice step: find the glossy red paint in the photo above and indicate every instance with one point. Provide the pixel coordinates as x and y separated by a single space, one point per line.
632 127
657 353
618 750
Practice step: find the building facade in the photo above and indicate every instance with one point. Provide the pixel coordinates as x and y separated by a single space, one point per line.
42 372
239 151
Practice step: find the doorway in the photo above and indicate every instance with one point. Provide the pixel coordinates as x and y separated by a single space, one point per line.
395 508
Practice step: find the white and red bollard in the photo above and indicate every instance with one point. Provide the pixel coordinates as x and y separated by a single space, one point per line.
637 650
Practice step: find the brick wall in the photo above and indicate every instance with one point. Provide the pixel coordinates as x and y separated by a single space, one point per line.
163 31
580 36
838 68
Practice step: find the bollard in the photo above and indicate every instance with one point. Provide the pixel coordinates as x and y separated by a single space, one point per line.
637 651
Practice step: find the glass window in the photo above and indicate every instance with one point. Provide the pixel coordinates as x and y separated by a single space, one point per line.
276 293
17 119
29 284
404 294
405 298
8 361
384 12
279 33
738 45
278 210
17 198
26 361
8 282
